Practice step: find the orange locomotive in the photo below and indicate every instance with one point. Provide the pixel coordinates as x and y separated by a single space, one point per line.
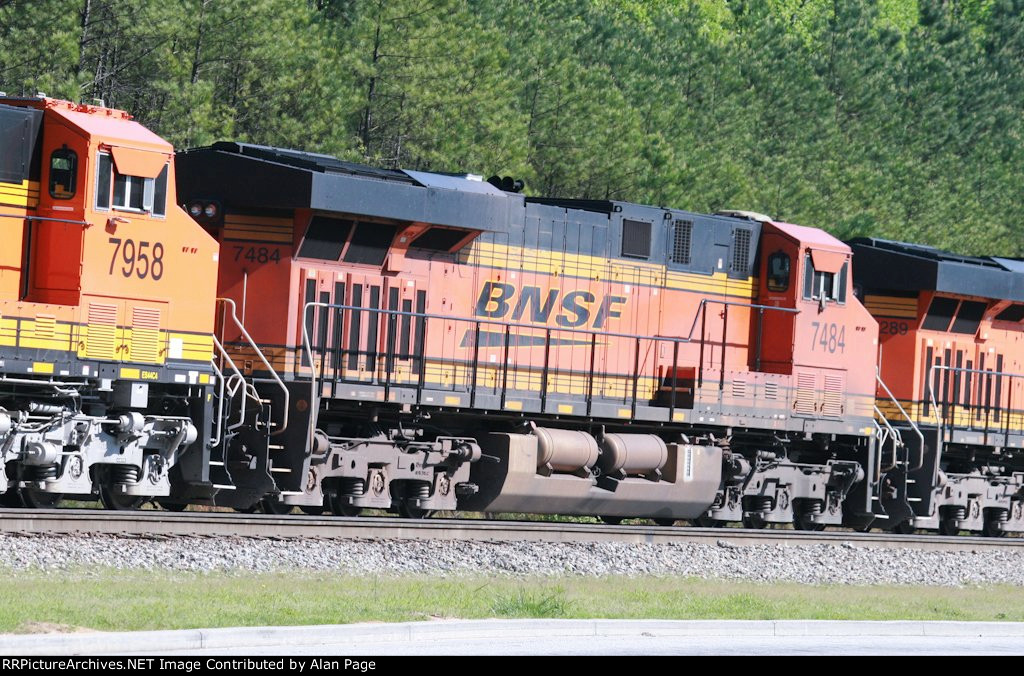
106 309
442 343
951 331
336 337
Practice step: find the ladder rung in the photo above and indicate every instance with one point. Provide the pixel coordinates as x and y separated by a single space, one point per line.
913 499
282 470
224 487
275 447
216 463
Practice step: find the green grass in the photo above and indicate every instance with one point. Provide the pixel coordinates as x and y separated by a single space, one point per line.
111 601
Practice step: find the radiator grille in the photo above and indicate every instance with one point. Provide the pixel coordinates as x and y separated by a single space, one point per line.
834 396
145 345
804 394
101 333
741 251
682 237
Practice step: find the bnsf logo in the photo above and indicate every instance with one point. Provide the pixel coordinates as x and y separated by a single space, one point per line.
498 300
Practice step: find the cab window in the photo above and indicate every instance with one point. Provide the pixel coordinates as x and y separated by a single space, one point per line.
129 193
824 286
63 173
778 271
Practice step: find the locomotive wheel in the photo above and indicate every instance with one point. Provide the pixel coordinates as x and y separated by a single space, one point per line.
118 502
407 511
275 506
173 506
803 522
37 499
905 527
948 527
664 521
611 520
312 510
991 529
705 521
754 521
12 499
338 508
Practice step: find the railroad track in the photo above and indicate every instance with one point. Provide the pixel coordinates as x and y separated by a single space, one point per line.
155 523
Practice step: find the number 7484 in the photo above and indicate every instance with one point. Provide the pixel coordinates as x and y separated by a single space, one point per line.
828 336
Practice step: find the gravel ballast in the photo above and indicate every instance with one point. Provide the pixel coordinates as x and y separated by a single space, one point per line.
843 563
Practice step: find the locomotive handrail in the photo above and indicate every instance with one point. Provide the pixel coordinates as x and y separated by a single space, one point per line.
883 435
231 384
940 423
307 347
913 425
47 219
259 353
538 327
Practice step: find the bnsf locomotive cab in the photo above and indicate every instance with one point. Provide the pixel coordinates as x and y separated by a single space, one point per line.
827 342
106 294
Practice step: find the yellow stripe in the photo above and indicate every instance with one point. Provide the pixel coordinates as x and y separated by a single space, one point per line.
891 306
240 219
24 195
602 269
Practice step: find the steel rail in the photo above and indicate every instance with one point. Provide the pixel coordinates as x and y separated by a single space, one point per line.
158 524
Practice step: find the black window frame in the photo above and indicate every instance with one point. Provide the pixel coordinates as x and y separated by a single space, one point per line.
153 190
815 282
64 153
771 278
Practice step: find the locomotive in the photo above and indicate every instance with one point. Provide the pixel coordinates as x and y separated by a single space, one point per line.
330 336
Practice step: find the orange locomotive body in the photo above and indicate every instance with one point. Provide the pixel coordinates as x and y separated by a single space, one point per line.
106 307
953 357
444 344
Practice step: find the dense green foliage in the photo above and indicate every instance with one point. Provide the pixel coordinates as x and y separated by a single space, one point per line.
893 118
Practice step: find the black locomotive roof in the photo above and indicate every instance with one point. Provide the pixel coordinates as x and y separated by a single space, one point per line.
899 266
248 175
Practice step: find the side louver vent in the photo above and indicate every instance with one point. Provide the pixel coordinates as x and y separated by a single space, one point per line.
834 396
145 345
101 333
805 395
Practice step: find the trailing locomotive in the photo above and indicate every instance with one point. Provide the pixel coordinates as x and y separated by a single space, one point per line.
342 337
454 345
